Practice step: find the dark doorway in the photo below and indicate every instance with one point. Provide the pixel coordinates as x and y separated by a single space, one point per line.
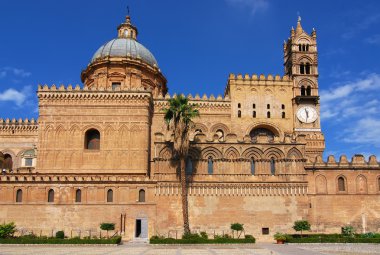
138 228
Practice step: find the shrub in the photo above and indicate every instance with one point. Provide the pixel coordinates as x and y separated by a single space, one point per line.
60 234
248 237
348 230
301 225
204 235
280 236
238 227
191 236
107 227
332 238
53 240
7 230
196 239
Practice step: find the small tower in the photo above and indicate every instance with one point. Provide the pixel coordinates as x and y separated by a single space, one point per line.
127 30
301 60
301 64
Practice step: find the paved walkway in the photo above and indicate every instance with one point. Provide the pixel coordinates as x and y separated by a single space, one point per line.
144 249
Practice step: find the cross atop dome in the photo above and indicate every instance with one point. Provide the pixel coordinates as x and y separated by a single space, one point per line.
127 30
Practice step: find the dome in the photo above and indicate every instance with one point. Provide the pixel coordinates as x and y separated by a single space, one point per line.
125 47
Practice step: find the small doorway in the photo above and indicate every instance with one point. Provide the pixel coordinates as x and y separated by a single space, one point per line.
138 228
141 230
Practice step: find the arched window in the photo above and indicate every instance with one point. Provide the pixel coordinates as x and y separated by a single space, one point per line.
300 47
303 91
19 196
210 165
110 196
239 114
254 114
261 131
308 91
283 107
220 134
302 68
239 105
268 115
341 184
307 68
189 166
51 196
92 139
272 166
283 115
78 196
8 162
141 195
268 106
252 166
254 106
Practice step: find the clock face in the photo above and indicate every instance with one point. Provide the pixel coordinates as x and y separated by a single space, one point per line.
307 114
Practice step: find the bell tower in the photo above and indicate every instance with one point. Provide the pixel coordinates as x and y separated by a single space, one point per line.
301 65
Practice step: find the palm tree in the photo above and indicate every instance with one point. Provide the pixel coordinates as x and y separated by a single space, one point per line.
178 117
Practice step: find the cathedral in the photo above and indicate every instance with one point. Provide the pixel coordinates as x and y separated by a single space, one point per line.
101 152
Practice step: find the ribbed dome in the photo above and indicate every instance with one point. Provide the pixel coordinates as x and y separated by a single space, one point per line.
125 47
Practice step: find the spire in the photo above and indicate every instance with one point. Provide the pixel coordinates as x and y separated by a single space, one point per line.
126 29
299 27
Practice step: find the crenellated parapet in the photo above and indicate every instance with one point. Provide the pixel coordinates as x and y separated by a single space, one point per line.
259 78
12 126
66 94
204 103
358 161
73 178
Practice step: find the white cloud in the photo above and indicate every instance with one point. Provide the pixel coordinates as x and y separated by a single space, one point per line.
253 5
361 25
369 83
15 96
375 39
365 131
14 71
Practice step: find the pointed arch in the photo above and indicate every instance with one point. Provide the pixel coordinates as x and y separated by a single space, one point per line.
361 184
274 152
220 126
320 184
166 153
341 182
194 153
231 153
203 128
211 152
305 59
253 152
294 152
266 125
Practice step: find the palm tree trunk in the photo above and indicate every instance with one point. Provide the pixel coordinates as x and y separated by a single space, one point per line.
185 207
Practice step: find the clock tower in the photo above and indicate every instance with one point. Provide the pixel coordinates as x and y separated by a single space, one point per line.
301 64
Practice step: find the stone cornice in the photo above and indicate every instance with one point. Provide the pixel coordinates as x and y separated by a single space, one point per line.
98 96
20 125
74 178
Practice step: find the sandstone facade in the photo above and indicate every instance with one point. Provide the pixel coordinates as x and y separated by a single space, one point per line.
101 153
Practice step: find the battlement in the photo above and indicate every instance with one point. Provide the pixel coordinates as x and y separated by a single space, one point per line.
18 122
261 77
357 161
78 88
197 97
20 126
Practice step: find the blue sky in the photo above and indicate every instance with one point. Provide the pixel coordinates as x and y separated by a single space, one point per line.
197 44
